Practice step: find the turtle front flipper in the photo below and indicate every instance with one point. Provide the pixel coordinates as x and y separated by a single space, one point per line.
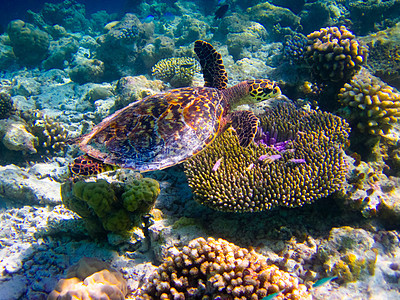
85 165
245 124
214 73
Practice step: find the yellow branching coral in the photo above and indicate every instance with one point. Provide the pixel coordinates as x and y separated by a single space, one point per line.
178 71
334 54
217 269
370 103
303 164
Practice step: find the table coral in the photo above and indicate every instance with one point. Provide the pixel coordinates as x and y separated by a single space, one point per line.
90 278
334 54
30 44
178 71
371 104
217 269
298 159
114 206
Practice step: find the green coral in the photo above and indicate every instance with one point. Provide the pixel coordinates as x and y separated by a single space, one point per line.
370 104
105 206
231 178
140 194
99 195
178 71
334 54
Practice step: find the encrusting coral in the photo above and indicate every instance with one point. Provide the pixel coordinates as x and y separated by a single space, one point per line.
297 158
116 206
334 54
217 269
90 278
178 71
369 103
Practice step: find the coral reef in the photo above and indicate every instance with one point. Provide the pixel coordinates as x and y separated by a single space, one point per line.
188 30
161 47
294 46
348 253
6 105
30 44
334 54
218 269
60 52
178 71
384 54
371 105
90 278
113 207
69 14
297 159
87 70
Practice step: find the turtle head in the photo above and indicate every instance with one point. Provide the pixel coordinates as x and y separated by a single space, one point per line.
263 89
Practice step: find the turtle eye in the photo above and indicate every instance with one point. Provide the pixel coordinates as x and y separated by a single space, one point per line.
267 90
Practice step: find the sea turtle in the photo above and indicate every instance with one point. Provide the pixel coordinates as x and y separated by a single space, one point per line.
165 129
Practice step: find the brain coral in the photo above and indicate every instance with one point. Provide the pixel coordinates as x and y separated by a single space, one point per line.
90 278
297 159
217 269
334 54
371 104
178 71
30 44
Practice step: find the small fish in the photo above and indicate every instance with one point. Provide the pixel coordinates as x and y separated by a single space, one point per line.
297 160
217 164
270 158
324 281
272 296
221 11
148 19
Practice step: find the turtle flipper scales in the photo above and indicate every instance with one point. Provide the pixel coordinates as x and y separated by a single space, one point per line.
214 73
245 124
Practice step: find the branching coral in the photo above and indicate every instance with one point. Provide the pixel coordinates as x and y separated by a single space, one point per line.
115 207
217 269
90 278
298 159
372 105
334 54
178 71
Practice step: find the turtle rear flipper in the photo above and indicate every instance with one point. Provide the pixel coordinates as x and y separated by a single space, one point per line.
214 73
245 124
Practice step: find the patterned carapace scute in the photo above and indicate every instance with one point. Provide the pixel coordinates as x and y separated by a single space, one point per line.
297 158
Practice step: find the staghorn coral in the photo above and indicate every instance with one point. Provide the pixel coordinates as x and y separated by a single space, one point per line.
114 207
178 71
217 269
30 44
6 105
334 54
90 278
298 159
370 104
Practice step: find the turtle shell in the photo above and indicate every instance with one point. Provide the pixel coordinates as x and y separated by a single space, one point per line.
159 131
